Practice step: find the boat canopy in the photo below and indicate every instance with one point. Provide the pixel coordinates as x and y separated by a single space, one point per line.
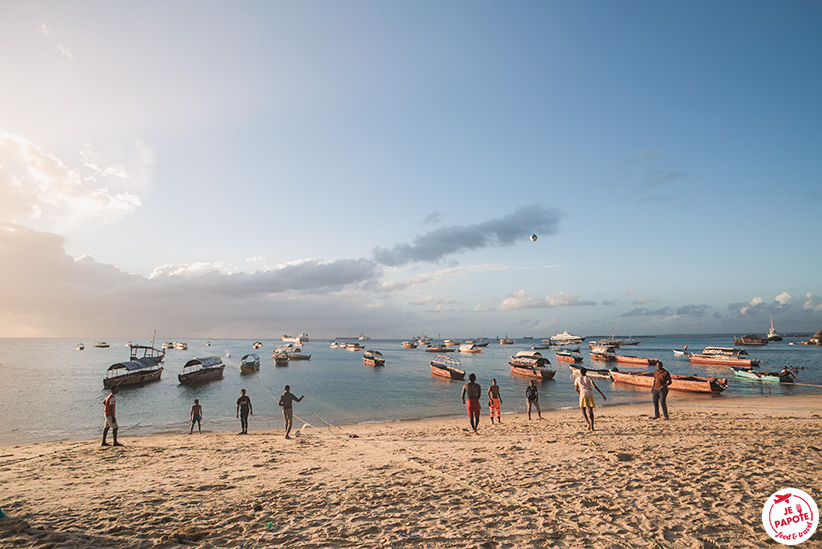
532 354
370 353
253 356
444 361
602 349
725 351
206 362
132 365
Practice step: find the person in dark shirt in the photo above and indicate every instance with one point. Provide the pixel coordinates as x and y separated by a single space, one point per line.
472 391
532 396
660 390
243 411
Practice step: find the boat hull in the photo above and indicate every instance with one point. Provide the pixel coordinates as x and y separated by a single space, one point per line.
201 376
720 361
603 373
690 384
249 368
375 362
134 378
642 361
767 377
533 372
576 359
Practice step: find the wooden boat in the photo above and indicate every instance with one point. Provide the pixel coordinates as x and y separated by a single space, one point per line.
280 359
353 347
299 340
200 370
181 346
79 347
257 345
750 340
785 376
373 358
147 351
604 373
680 352
631 340
168 345
469 348
540 347
481 342
610 342
438 349
569 356
452 342
250 364
639 360
409 344
725 356
132 373
692 384
603 353
447 367
531 364
506 341
102 345
296 353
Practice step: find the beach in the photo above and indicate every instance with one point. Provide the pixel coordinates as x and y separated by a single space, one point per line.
698 480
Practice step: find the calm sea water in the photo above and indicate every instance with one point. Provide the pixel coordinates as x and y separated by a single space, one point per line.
49 391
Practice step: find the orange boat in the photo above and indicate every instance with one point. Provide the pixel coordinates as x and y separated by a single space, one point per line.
447 367
469 348
569 356
692 384
627 359
603 353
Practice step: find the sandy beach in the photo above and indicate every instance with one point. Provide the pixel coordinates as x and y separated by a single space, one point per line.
698 480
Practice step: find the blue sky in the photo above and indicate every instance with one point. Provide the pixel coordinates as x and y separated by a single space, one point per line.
243 170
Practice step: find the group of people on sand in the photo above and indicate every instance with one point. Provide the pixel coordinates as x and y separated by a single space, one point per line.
244 409
583 385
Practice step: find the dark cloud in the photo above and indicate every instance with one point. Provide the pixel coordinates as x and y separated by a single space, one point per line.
439 243
685 310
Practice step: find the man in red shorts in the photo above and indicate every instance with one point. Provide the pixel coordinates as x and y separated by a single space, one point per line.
472 391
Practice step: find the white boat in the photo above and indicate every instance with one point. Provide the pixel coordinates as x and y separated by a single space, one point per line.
564 338
363 337
353 347
773 335
102 345
299 340
181 346
79 347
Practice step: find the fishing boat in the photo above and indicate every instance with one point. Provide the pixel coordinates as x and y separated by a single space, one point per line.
438 349
148 352
200 370
102 345
691 384
531 364
424 340
681 352
280 359
469 348
604 373
257 345
603 353
250 364
409 344
638 360
336 345
452 342
296 353
353 347
751 340
79 347
773 335
132 372
447 367
167 345
373 358
569 356
724 356
540 347
565 338
506 341
481 342
631 340
181 346
299 340
785 376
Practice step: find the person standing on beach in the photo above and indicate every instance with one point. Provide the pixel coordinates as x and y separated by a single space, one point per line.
660 390
196 416
109 405
585 386
495 401
243 411
286 402
472 391
532 396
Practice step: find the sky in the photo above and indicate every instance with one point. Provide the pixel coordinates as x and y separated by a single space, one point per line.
249 169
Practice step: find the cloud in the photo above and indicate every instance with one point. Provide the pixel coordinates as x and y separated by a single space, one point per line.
49 293
685 310
444 241
658 178
45 31
759 307
812 302
523 300
37 187
644 300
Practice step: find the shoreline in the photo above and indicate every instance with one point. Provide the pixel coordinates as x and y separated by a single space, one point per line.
698 480
677 398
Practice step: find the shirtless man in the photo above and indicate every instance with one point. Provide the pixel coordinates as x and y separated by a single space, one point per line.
196 416
496 400
472 391
287 401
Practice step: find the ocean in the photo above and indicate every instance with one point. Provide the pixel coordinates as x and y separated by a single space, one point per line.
52 392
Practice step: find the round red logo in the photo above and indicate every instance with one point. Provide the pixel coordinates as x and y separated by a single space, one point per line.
790 516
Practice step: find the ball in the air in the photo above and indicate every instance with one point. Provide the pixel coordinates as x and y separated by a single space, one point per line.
533 238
